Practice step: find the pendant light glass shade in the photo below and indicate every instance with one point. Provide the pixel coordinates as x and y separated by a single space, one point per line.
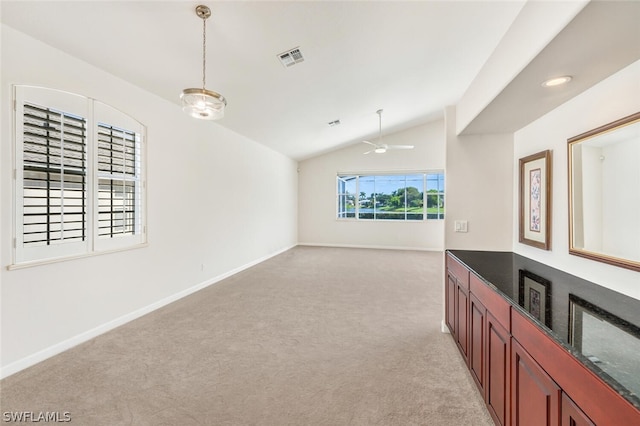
202 103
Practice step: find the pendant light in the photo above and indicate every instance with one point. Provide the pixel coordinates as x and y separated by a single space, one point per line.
202 103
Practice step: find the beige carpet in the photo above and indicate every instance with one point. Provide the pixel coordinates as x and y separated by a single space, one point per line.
314 336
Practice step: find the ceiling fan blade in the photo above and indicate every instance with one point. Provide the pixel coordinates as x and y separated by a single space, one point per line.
370 143
369 152
400 147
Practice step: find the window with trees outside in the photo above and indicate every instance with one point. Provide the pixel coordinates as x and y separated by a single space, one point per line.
416 196
79 168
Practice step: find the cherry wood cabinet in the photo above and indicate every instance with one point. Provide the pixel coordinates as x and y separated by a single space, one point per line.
535 396
490 342
457 302
526 376
462 321
450 303
572 415
598 402
477 339
498 371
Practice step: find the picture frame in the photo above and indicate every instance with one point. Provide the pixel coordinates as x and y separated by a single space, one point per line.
608 323
535 200
534 295
607 341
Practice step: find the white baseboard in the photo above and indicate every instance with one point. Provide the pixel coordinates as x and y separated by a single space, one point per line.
60 347
444 328
370 247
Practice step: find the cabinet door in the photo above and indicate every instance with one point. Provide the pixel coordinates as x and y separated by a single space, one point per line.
462 322
450 294
572 415
477 329
535 396
498 362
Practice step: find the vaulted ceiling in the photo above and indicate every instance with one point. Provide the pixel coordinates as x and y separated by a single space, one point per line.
410 58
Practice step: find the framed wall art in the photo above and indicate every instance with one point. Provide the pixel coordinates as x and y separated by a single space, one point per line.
534 295
535 200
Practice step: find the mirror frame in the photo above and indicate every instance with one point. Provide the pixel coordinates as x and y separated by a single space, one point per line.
601 257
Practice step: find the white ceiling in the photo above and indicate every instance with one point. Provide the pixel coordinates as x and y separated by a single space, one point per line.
600 40
410 58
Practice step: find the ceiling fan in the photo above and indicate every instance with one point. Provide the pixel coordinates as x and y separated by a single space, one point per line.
381 148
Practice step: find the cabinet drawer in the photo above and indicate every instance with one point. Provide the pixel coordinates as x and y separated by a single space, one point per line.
459 271
496 304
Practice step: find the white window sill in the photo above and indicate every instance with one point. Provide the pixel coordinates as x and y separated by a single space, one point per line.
49 261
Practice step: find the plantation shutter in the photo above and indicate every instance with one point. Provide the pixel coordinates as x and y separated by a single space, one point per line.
116 184
78 176
119 201
54 176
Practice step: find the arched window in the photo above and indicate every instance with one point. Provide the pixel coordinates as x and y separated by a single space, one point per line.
79 176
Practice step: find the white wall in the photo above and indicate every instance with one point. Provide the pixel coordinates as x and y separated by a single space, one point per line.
317 193
479 189
217 202
611 99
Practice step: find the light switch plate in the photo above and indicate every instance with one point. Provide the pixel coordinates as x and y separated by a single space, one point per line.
460 225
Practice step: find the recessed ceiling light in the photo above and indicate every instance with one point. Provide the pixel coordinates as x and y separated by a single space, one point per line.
557 81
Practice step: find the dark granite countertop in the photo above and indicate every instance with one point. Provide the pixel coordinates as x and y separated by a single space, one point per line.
600 327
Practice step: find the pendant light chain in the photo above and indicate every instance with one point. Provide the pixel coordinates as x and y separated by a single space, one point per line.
204 52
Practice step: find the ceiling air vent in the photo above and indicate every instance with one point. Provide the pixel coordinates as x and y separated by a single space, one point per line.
291 57
333 123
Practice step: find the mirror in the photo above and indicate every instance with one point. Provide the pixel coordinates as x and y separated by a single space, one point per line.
604 193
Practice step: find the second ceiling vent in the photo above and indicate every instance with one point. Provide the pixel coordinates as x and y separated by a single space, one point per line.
291 57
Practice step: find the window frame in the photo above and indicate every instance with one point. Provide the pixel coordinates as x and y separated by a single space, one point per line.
93 112
343 177
344 194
